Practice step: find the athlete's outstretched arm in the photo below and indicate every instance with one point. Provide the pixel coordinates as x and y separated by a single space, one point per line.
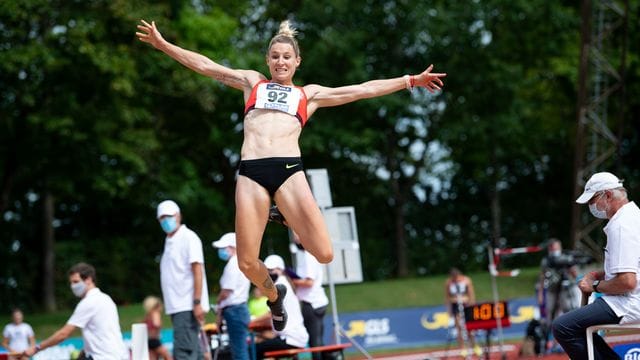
239 79
320 96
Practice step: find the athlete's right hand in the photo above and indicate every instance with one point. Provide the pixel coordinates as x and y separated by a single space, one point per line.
149 33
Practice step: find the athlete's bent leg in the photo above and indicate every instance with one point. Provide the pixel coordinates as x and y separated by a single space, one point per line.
296 202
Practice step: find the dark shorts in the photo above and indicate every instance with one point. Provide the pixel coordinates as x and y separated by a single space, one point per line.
154 344
455 310
272 172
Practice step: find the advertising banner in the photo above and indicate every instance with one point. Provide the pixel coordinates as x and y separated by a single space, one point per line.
414 327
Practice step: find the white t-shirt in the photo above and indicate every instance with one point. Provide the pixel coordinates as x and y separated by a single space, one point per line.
294 333
309 268
622 254
233 279
18 335
176 278
96 314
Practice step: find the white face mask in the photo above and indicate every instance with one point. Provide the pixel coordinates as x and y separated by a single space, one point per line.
600 214
78 288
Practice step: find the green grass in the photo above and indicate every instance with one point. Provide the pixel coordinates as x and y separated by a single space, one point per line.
427 291
390 294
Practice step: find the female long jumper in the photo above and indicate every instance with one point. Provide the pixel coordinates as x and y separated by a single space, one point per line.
270 159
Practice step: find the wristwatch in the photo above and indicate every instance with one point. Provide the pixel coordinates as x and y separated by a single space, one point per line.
595 285
196 301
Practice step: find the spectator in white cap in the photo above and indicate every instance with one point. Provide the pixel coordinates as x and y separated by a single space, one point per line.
313 299
618 283
294 335
233 297
183 282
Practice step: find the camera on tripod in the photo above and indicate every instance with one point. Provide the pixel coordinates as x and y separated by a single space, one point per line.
568 259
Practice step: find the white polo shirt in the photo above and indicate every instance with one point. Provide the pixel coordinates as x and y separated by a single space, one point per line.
233 279
176 277
96 314
622 254
309 268
294 333
18 336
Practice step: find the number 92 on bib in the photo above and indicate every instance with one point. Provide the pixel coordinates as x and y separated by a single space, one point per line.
271 96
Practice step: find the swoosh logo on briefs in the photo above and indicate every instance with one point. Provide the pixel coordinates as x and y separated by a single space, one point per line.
291 166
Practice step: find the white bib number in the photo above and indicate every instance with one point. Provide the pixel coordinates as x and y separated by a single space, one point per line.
277 97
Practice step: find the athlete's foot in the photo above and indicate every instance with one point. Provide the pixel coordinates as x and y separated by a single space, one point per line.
278 312
276 216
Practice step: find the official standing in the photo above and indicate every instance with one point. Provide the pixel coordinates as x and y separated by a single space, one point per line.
183 281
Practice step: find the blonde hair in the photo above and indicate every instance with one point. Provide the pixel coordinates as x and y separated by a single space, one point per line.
286 35
150 303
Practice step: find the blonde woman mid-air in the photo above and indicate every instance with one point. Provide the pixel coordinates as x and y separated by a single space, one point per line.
270 158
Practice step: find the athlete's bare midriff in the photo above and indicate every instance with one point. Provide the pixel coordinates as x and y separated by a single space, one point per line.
270 133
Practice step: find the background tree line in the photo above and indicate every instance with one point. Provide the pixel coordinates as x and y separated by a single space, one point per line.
96 128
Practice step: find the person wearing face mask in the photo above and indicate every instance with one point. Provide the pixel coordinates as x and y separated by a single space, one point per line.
96 314
618 282
233 297
183 282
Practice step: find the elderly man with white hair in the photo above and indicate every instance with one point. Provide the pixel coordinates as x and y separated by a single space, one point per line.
618 283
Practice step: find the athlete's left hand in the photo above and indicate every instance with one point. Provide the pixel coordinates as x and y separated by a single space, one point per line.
430 81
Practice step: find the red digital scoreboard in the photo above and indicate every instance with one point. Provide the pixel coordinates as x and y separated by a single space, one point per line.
485 316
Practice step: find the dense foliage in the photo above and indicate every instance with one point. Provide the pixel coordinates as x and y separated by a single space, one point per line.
96 128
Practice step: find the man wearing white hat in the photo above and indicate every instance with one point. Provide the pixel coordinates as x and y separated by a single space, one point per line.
183 282
233 297
313 300
294 334
619 282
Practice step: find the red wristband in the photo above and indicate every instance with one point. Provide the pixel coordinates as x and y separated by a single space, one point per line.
412 81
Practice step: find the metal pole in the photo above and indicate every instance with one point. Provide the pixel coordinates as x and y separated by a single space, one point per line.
464 333
494 288
334 306
337 328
